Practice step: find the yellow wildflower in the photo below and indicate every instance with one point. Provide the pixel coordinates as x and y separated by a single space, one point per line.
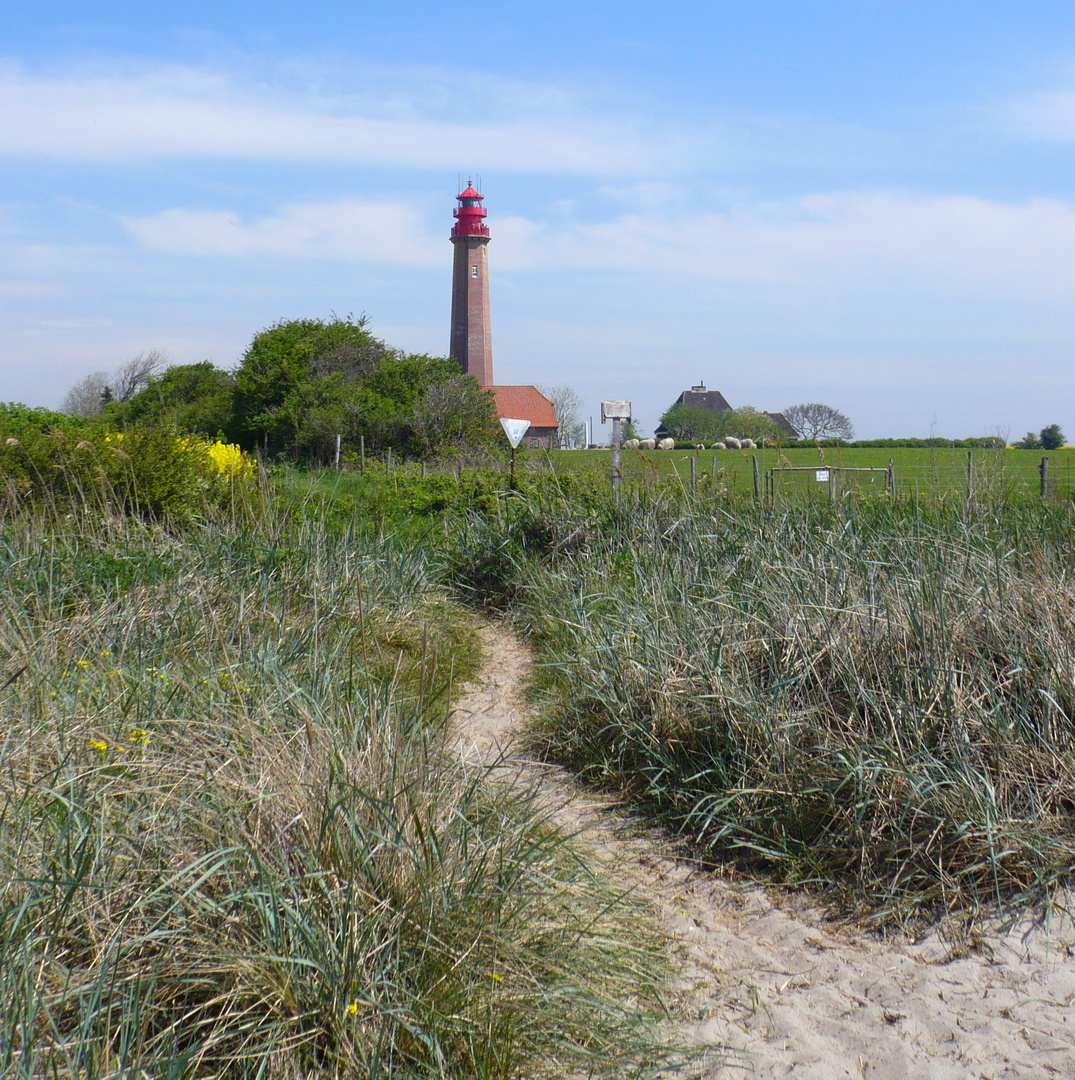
100 746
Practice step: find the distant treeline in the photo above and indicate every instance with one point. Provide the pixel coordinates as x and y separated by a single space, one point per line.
991 442
936 443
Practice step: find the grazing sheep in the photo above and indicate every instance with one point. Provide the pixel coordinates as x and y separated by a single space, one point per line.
718 446
666 444
747 444
631 444
699 446
731 442
647 444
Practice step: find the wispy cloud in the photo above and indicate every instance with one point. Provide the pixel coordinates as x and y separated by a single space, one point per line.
1048 116
841 241
349 231
943 243
175 111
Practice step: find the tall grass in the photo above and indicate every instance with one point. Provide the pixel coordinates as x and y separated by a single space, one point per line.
871 697
232 842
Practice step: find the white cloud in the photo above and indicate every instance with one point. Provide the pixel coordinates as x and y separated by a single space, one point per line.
942 243
174 111
840 241
1049 116
349 231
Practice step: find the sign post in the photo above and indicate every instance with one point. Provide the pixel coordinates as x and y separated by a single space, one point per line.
515 430
615 411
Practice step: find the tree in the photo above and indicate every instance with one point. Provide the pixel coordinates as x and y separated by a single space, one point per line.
816 421
1051 437
695 423
302 382
690 423
1029 441
297 383
88 396
134 375
455 414
191 397
571 429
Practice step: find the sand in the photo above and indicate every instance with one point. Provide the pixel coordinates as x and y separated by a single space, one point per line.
774 985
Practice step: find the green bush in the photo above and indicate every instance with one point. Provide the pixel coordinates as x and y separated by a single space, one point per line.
194 398
152 472
303 382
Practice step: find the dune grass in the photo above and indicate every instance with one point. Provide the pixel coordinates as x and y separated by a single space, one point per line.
232 843
873 698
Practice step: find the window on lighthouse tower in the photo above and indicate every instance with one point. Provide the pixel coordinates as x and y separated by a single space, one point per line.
473 271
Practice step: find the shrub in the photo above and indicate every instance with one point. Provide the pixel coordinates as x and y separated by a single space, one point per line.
148 471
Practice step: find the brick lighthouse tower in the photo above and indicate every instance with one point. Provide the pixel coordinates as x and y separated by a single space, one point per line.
472 339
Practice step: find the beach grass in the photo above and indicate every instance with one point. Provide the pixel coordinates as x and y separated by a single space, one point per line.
233 842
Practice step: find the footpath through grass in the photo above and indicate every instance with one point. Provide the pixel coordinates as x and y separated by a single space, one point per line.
232 842
873 698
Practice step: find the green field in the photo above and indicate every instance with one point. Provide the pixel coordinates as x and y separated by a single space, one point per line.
917 471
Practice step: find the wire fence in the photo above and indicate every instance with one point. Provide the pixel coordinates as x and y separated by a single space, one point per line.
767 474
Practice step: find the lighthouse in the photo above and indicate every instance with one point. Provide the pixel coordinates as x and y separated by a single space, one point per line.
472 342
472 339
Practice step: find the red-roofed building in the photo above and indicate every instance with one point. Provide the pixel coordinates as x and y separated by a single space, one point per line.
528 403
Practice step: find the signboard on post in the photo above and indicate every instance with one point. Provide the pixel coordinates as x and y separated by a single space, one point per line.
615 411
515 430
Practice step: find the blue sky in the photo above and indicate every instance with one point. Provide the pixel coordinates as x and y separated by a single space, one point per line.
869 204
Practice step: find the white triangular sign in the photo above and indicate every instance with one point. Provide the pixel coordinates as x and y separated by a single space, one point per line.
515 430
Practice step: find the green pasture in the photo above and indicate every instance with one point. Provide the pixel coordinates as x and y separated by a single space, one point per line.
917 470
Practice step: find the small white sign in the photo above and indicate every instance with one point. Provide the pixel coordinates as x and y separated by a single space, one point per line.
615 410
515 430
821 475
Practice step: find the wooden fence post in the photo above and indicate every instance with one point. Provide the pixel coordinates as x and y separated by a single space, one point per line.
754 460
694 478
1043 470
970 488
891 478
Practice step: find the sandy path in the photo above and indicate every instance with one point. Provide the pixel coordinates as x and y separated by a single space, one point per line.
772 977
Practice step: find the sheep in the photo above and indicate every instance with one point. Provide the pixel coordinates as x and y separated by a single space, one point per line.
732 443
647 444
747 444
631 444
699 446
718 446
666 444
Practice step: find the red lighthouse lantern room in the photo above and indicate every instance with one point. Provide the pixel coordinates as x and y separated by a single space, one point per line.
469 214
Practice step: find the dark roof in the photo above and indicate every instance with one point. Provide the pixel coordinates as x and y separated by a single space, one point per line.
782 422
713 400
524 403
